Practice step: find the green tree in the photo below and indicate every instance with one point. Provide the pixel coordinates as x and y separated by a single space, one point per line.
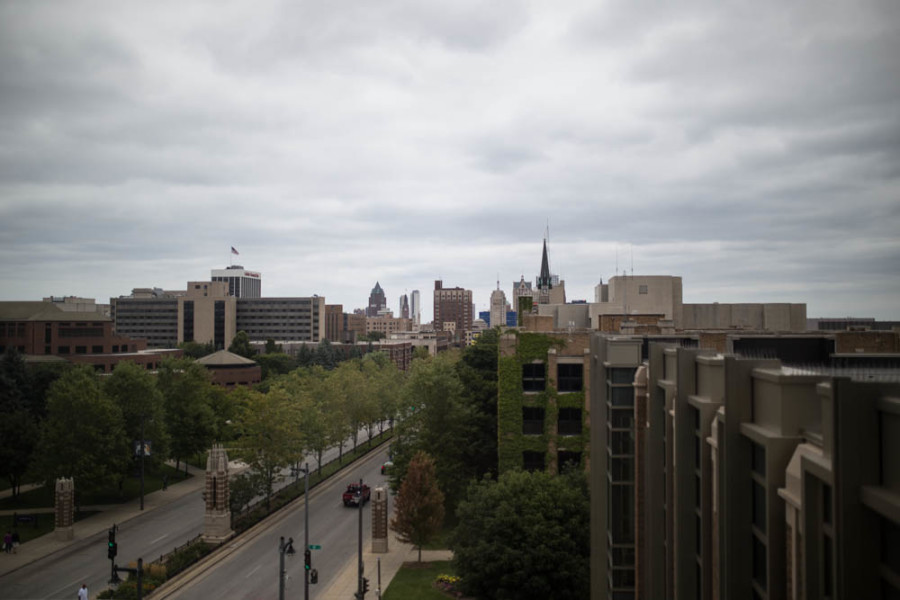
419 507
272 347
83 436
438 421
308 389
477 370
134 391
325 355
190 420
270 435
18 427
273 364
196 350
240 345
525 536
420 353
305 356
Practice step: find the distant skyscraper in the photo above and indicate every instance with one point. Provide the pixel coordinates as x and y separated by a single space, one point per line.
415 307
377 301
452 305
241 283
498 307
404 306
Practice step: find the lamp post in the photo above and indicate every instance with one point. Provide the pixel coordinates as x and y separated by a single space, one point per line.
283 548
142 461
306 547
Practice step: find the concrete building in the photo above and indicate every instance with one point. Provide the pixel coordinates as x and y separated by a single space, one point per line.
387 325
377 301
499 308
334 322
452 305
751 478
415 307
241 282
206 313
76 304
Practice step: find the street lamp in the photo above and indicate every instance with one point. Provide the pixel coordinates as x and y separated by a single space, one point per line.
283 548
306 548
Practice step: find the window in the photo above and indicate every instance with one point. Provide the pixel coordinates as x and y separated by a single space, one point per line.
532 420
533 377
570 377
533 461
62 350
621 375
758 459
622 396
567 460
642 289
96 349
758 499
759 562
620 418
569 421
621 443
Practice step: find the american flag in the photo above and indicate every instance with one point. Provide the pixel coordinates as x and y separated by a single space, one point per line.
233 251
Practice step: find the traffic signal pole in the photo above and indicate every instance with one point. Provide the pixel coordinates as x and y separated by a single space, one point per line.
306 531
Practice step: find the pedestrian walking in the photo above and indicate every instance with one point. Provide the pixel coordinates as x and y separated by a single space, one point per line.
82 592
165 482
7 542
15 541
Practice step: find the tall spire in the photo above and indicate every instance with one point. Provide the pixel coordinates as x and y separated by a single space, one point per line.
544 278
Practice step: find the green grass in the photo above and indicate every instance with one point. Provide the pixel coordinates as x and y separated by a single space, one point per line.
42 497
415 581
28 531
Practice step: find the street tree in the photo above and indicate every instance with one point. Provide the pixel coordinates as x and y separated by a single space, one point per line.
196 350
190 420
84 435
270 435
135 392
477 370
524 536
18 427
419 507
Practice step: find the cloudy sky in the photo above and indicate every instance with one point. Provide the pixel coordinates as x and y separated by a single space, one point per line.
751 148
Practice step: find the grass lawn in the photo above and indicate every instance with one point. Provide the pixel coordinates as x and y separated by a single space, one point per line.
28 531
415 582
42 497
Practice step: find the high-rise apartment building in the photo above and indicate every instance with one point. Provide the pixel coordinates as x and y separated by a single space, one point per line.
415 307
241 282
498 308
452 306
377 301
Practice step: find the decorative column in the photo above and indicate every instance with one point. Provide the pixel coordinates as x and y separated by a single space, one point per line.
65 509
217 521
379 520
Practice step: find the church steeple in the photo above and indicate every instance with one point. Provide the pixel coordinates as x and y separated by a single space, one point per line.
544 281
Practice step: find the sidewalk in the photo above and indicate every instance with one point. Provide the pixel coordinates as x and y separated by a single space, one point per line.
398 553
48 544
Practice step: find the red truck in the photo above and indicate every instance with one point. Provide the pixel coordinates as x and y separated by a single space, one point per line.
352 496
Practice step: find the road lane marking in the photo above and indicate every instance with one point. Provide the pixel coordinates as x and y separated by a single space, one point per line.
159 538
247 576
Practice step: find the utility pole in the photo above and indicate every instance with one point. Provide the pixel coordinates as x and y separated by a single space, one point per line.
142 461
283 548
306 529
360 570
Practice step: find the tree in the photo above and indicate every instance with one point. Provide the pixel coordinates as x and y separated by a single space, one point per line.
197 350
134 391
420 353
190 419
270 439
83 436
276 363
477 370
272 347
525 536
18 427
436 420
419 507
240 345
325 355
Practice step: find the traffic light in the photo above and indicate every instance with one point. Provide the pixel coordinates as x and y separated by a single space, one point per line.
365 586
112 548
314 576
307 559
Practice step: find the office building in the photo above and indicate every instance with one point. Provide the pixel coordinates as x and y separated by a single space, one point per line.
404 307
452 308
415 307
377 301
498 308
241 282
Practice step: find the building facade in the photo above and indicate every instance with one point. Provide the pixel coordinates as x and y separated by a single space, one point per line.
452 305
415 307
404 307
498 309
241 282
377 301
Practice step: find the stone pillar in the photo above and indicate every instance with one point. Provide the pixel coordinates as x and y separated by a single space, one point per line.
65 509
379 520
217 520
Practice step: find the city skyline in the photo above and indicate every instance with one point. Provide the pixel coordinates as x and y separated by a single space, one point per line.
750 151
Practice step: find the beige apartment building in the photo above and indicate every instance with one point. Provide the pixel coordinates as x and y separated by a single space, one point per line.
752 479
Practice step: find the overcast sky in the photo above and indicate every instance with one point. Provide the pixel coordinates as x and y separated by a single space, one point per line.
752 148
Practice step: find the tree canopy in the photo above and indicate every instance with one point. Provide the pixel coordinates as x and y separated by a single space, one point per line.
419 507
525 536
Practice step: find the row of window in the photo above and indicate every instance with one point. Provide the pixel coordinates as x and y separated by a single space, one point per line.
570 377
568 421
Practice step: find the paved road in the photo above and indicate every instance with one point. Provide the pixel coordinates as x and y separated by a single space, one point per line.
148 535
250 572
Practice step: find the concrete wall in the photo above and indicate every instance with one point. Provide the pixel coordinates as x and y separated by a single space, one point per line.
762 317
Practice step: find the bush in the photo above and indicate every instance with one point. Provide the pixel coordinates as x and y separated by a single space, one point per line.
181 559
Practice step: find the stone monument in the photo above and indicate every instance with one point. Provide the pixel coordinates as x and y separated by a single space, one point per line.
65 509
217 521
379 520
